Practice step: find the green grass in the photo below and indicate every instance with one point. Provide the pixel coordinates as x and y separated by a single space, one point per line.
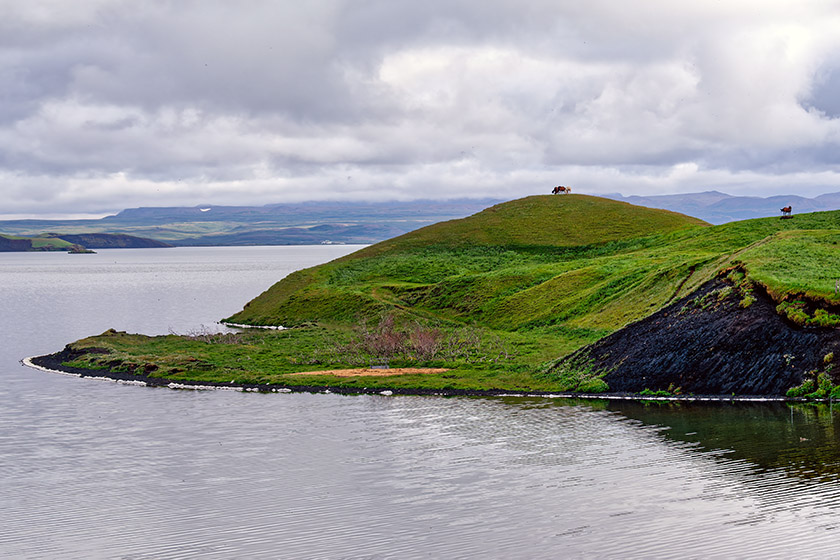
464 270
805 262
268 357
546 274
543 221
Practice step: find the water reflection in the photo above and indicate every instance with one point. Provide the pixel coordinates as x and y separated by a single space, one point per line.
803 440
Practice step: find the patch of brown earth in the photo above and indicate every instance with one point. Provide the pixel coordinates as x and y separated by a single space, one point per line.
368 372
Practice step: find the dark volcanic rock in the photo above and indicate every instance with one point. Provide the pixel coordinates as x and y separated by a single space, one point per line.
707 344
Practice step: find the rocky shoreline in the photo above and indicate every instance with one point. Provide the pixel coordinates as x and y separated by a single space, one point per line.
54 363
706 346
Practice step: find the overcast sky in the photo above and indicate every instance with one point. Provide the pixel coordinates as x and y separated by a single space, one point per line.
108 104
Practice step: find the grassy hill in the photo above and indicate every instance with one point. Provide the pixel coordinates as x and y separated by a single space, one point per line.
544 221
479 268
499 295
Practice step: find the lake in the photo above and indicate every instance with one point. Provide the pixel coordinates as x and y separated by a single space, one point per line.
96 469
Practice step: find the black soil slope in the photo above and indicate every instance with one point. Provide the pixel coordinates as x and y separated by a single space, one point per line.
707 344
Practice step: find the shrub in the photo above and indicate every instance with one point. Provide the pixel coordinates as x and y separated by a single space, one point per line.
794 311
593 385
824 387
801 390
724 293
823 318
651 393
417 343
578 375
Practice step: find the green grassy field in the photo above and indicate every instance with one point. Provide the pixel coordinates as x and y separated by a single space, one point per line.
542 276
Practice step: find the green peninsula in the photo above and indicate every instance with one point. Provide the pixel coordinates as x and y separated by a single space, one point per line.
546 293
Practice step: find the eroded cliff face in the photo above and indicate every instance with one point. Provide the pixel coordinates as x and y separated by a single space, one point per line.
708 343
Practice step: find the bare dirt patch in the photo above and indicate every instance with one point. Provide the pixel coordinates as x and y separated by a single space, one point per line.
368 372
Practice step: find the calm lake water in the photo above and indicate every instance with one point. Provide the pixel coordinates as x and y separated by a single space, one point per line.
95 469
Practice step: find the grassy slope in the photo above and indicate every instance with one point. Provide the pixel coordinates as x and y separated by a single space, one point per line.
547 274
519 268
476 268
543 221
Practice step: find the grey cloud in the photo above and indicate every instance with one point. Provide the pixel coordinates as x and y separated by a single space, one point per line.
825 95
157 102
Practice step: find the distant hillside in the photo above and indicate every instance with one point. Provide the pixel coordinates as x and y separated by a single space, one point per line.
718 208
63 242
371 222
110 241
275 224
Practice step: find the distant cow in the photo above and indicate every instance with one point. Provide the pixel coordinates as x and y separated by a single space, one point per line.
561 189
786 211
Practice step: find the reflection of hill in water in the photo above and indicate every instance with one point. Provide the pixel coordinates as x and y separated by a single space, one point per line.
802 440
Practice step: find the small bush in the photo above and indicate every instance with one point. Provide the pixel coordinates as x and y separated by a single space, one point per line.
579 376
794 311
593 385
823 318
387 341
659 393
724 293
824 388
801 390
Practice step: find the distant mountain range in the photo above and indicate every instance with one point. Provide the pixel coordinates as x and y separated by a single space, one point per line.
364 222
718 208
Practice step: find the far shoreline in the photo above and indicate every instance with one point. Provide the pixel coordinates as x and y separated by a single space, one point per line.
50 363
